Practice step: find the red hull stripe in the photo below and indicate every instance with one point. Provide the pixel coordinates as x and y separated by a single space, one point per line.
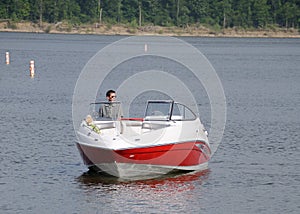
179 154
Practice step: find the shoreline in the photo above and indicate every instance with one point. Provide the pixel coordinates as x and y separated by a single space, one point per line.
123 30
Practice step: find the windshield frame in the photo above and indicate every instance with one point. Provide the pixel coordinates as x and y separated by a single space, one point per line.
168 116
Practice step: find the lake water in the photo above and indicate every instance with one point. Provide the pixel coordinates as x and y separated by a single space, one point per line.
256 169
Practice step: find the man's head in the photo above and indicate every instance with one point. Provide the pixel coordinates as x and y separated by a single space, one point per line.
111 95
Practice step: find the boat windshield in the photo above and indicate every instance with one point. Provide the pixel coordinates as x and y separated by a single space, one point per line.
182 112
168 110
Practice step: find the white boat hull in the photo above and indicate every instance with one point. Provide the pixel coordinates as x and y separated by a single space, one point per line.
137 148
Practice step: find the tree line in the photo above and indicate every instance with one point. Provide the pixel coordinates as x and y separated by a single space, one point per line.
217 13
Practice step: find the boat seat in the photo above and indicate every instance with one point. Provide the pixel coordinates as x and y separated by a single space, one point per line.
154 125
156 118
105 124
132 123
176 117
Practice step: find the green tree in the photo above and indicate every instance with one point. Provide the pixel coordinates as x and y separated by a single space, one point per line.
225 12
217 13
242 15
88 10
275 6
152 12
183 18
260 13
18 9
4 13
290 13
130 11
112 10
199 10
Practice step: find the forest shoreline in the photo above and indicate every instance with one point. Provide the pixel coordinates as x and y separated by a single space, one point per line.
106 29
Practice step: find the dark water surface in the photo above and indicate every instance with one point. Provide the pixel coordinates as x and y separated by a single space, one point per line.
255 170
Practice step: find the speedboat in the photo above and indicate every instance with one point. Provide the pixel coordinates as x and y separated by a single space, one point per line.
169 137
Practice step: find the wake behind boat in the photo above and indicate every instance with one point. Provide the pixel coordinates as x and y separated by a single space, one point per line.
169 137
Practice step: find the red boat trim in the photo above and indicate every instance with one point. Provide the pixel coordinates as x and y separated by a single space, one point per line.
176 154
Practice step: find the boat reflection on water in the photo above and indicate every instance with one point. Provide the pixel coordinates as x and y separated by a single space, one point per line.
170 193
96 179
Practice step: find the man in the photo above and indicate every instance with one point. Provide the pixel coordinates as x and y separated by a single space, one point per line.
111 109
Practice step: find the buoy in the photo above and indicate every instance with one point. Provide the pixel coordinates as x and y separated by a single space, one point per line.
31 68
7 58
146 47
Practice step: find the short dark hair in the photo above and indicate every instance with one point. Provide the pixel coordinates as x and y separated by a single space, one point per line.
109 92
